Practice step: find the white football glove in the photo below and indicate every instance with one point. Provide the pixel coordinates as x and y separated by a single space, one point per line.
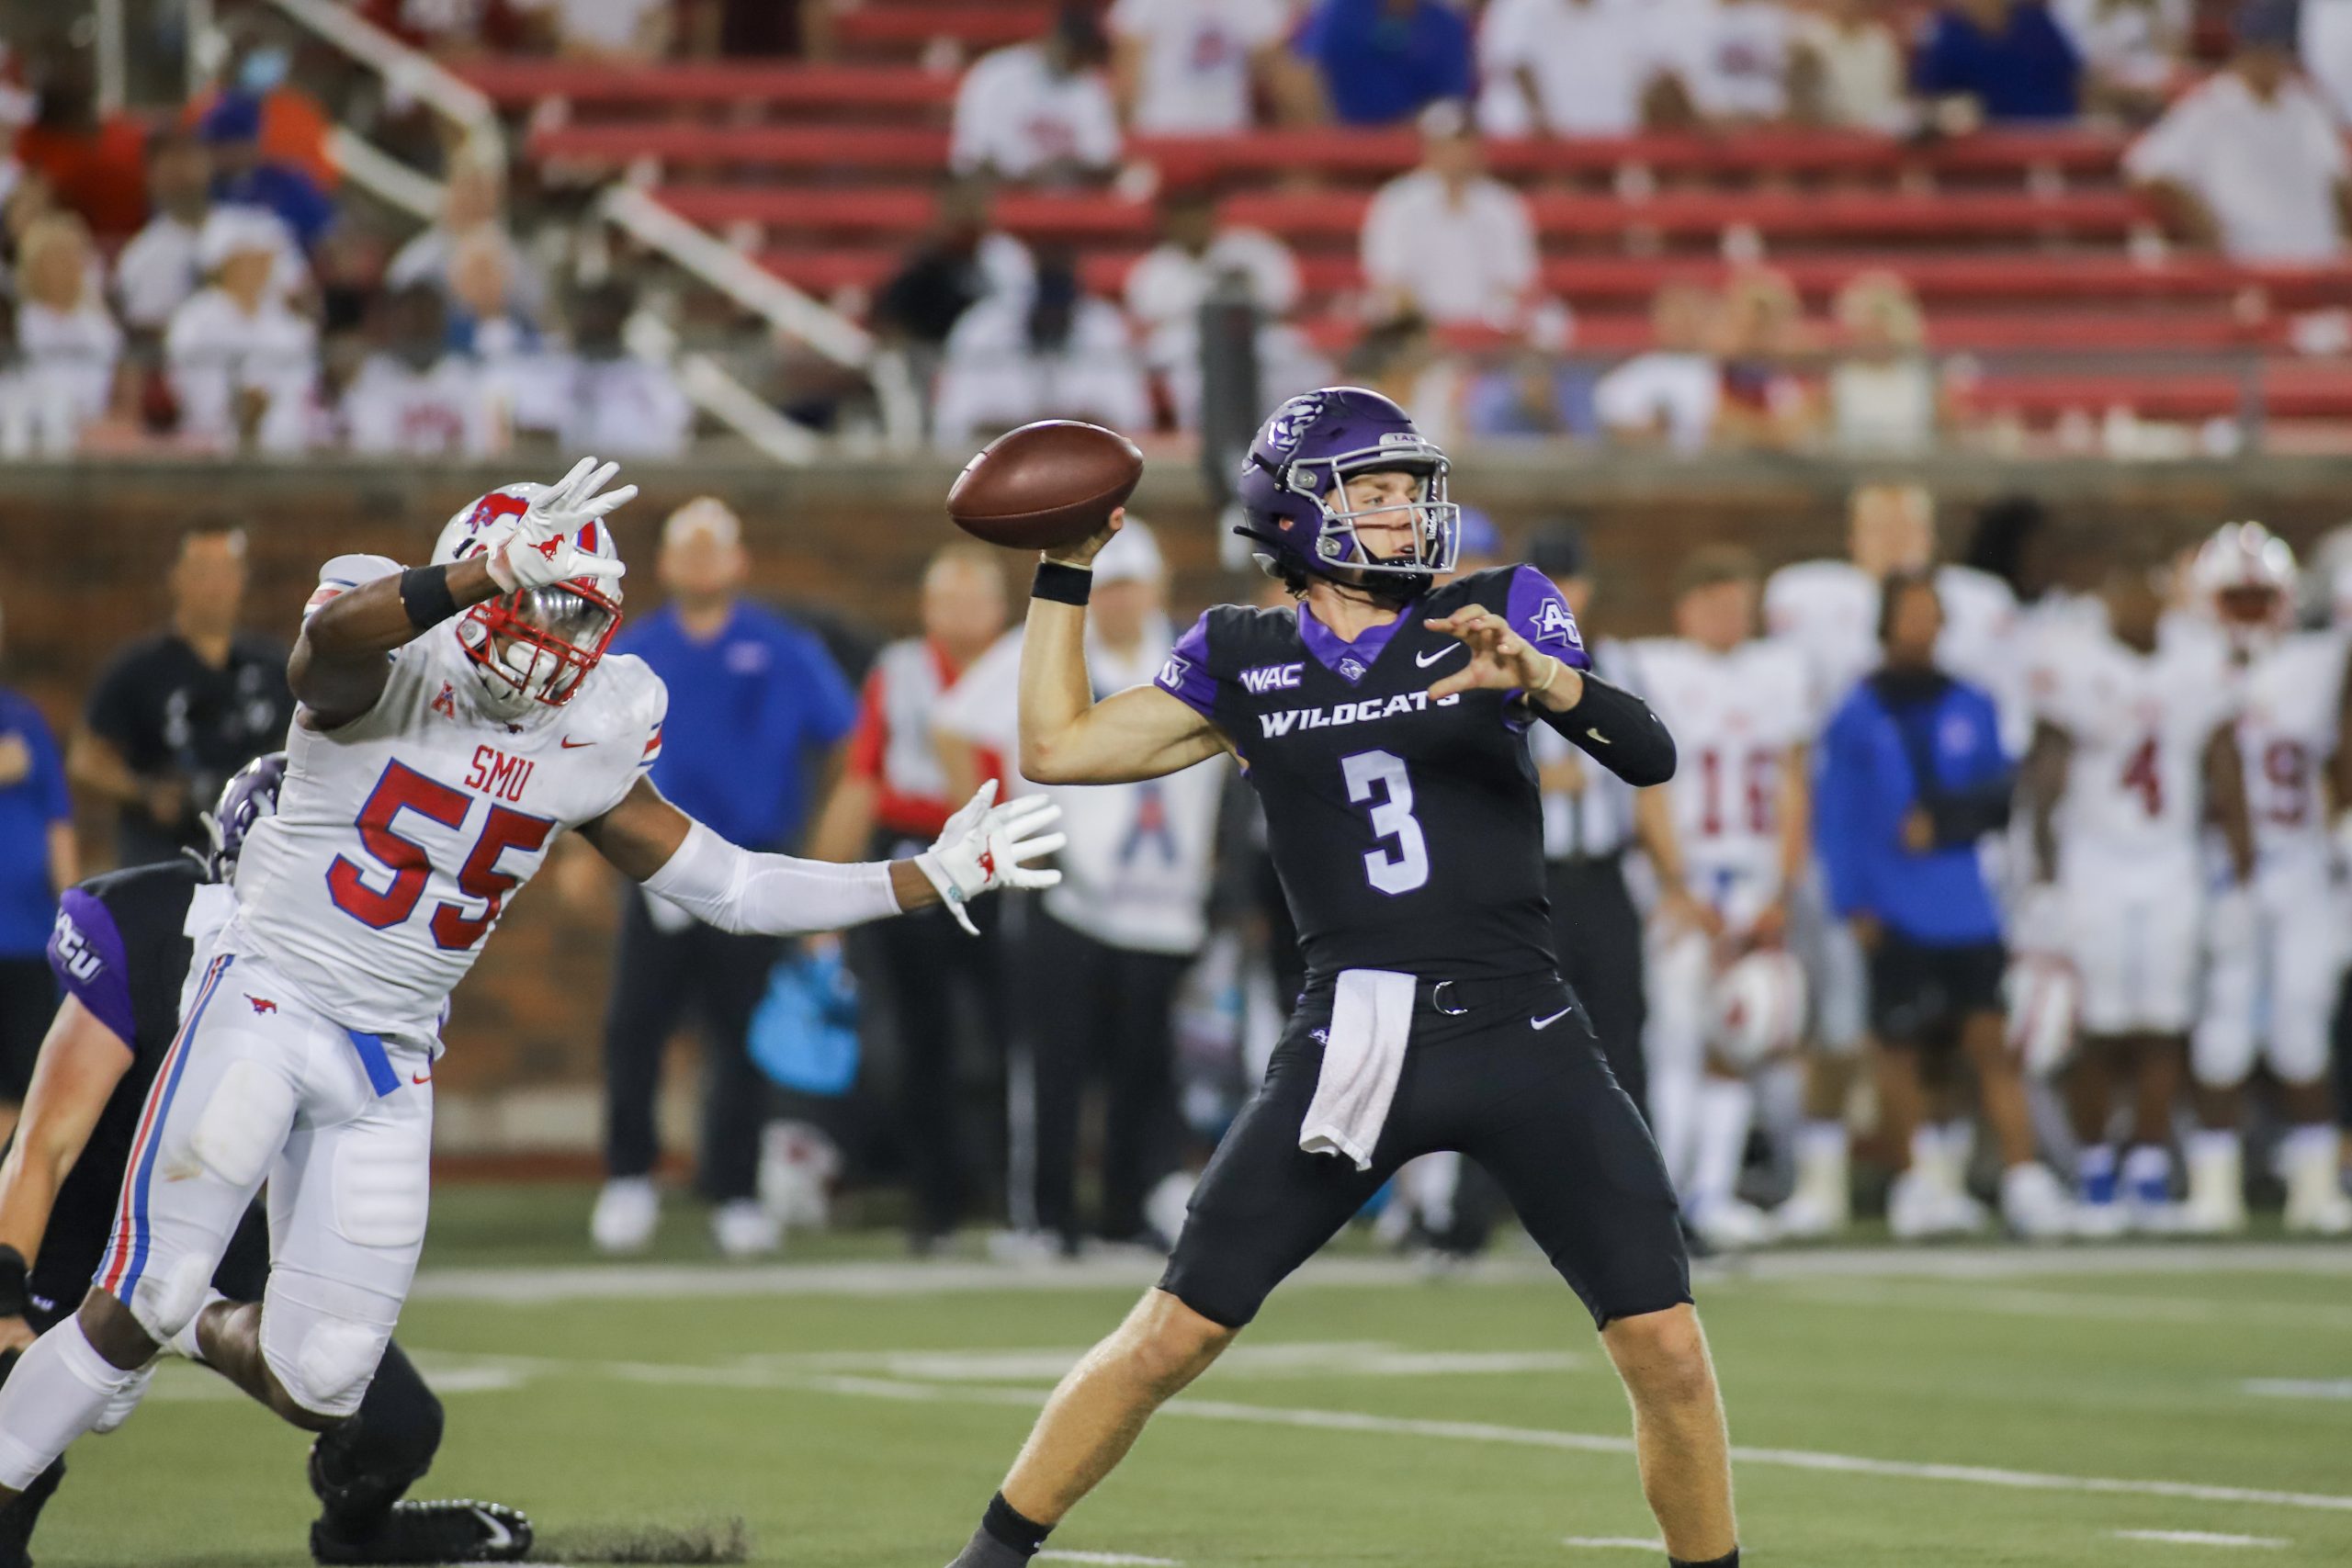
544 548
986 846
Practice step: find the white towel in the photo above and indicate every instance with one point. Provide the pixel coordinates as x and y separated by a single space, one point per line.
1371 1014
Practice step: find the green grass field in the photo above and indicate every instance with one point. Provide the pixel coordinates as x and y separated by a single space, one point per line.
857 1411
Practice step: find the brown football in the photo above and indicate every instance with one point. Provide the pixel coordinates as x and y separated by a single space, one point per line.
1044 485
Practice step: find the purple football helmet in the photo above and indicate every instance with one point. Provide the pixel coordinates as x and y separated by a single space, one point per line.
1293 498
249 796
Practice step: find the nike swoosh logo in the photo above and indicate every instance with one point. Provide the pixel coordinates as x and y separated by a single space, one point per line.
572 745
499 1536
1548 1023
1426 660
1598 738
420 1077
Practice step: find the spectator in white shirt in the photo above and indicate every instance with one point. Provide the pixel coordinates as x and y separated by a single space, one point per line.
615 30
1447 241
2132 50
614 401
70 375
2250 163
1191 67
1054 350
2325 42
1040 112
1847 68
1672 394
474 204
412 397
157 270
1885 396
1569 67
243 368
1731 56
1167 285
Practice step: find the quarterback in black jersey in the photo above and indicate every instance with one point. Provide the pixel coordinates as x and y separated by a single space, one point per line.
121 951
1383 723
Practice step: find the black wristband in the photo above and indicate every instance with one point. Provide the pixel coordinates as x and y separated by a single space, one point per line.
16 1292
425 594
1062 583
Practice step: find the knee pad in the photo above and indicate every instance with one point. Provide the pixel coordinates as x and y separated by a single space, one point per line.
2221 1052
165 1299
324 1364
243 1125
120 1409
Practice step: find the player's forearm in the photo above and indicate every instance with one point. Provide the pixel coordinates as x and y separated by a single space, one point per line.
376 617
739 890
30 1178
1055 691
1611 724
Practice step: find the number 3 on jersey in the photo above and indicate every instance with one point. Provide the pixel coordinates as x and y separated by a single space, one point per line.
404 789
1383 772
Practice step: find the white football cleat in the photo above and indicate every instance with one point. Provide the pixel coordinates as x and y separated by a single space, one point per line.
1729 1225
2033 1204
628 1211
1805 1217
1917 1208
2100 1221
742 1228
2317 1205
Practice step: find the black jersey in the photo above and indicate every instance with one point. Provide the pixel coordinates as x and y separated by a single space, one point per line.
120 947
1409 834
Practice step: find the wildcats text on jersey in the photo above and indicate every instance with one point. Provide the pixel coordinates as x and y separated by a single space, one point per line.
1288 719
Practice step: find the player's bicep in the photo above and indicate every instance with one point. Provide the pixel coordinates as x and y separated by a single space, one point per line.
1144 732
640 833
333 692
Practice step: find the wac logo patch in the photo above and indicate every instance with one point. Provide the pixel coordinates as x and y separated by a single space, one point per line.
1272 678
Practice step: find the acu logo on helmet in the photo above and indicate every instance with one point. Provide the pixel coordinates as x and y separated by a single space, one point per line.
1290 424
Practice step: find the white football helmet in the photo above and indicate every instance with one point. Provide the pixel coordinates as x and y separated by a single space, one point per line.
535 645
2043 996
1758 1006
2244 576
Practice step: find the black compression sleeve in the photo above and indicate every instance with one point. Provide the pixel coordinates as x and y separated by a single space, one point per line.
425 594
1617 729
1962 816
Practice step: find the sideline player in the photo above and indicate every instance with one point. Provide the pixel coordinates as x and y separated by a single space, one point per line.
1383 723
123 949
2272 976
1729 838
2133 752
454 718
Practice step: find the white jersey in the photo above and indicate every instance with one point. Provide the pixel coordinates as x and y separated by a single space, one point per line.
1829 611
2140 723
1733 717
2290 716
399 836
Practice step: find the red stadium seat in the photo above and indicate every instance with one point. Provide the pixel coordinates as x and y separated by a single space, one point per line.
886 27
712 82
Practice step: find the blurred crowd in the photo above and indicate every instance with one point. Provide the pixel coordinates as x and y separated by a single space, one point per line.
207 281
1967 996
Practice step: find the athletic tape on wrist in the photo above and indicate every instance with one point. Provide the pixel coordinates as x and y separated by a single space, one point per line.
1062 583
425 594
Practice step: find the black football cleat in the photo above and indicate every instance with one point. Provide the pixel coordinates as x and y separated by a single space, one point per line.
16 1521
460 1532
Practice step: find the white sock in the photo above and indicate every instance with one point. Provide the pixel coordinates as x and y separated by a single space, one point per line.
1959 1144
2316 1143
57 1391
1724 1108
2208 1145
183 1342
1927 1151
2145 1164
1822 1141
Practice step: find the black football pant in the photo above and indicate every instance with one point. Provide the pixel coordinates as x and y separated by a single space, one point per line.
657 975
1093 1010
945 987
1537 1107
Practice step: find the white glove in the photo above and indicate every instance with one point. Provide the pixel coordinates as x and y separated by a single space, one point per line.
984 846
544 548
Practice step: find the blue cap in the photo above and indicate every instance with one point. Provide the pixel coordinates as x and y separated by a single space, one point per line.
235 116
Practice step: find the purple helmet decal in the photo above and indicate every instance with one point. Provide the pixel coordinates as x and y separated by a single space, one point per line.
1292 488
249 796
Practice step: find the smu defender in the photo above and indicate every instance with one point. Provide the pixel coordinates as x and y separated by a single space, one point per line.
453 720
122 950
2273 967
1383 723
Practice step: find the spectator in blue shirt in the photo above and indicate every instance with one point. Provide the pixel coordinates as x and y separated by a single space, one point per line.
1912 779
756 707
232 128
2010 56
1384 60
38 860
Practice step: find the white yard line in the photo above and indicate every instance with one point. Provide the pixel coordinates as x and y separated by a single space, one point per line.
621 1282
2198 1538
2299 1388
1967 1297
1052 1555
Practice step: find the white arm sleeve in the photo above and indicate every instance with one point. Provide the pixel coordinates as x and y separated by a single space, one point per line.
738 890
